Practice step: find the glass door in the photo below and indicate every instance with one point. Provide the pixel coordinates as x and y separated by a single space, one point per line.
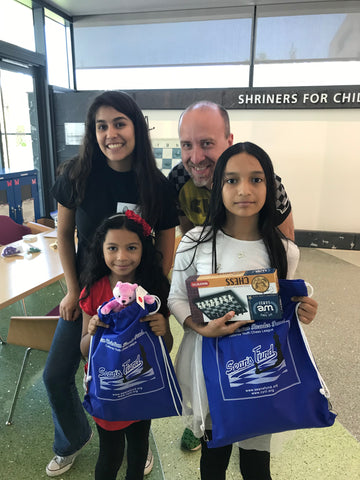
18 132
19 146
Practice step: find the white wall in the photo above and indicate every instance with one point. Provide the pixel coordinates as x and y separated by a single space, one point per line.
316 152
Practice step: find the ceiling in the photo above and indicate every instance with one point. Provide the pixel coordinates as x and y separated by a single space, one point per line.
81 8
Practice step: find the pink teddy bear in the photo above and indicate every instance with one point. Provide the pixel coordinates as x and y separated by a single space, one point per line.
124 294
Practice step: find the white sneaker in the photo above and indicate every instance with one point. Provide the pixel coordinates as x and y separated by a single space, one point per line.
59 465
149 462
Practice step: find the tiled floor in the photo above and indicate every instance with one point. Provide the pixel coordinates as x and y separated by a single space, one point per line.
324 454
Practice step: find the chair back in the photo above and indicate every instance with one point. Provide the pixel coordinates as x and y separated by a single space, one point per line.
11 231
33 332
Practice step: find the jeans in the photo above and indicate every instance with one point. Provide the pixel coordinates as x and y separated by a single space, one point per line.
112 446
72 429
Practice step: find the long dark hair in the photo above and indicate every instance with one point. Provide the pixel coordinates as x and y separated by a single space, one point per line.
148 274
216 217
148 176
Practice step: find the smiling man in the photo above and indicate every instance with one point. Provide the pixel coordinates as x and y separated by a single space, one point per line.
204 133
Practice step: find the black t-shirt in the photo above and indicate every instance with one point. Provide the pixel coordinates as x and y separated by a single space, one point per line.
107 192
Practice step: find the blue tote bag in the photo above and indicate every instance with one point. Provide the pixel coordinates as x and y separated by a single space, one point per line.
130 374
263 379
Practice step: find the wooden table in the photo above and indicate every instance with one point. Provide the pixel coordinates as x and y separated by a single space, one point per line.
23 275
20 276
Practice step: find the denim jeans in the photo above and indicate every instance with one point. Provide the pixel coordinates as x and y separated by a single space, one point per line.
72 429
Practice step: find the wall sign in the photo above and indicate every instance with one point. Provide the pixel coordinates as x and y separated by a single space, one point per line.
290 98
312 97
72 106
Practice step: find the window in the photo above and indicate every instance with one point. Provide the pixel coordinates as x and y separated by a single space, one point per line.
206 76
27 30
16 23
58 50
164 55
296 44
17 118
307 49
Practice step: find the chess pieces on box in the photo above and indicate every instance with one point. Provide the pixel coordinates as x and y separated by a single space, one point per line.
252 295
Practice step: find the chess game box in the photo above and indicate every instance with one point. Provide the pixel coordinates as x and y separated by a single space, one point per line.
252 295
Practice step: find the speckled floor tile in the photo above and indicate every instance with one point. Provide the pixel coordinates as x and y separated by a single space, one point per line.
41 302
334 335
351 256
322 454
26 445
16 309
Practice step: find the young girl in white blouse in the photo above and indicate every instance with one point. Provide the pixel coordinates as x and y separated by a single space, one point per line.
239 234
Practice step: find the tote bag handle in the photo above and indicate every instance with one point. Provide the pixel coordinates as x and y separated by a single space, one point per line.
88 376
170 378
324 389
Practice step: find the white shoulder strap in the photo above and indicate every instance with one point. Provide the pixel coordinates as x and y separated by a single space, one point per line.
170 378
323 390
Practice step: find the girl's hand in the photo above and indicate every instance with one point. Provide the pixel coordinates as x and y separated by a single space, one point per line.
160 327
158 324
218 327
94 323
307 308
69 307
